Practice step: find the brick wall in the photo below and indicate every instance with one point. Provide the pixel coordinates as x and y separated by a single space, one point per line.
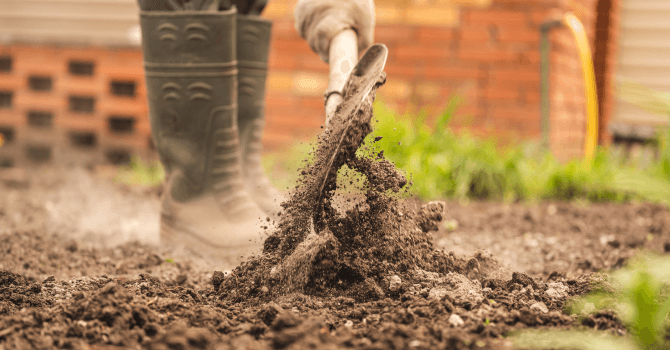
72 105
486 49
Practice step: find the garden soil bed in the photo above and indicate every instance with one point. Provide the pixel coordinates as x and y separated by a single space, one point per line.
79 269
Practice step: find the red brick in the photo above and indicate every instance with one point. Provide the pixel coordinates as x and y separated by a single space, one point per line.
83 86
453 71
502 93
486 54
514 113
531 96
291 47
524 36
498 17
307 104
523 3
434 35
401 70
310 62
27 99
296 124
282 29
522 76
277 61
530 57
470 33
83 122
538 17
125 72
420 52
119 105
280 101
12 117
392 34
12 82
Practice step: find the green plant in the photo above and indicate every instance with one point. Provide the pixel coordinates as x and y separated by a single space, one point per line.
141 173
639 297
442 163
445 164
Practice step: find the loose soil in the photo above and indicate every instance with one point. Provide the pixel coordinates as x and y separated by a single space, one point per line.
79 267
60 287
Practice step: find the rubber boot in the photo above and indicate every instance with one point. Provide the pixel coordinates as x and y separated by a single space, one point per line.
191 77
253 47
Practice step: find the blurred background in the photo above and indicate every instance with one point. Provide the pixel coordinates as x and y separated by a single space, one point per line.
72 91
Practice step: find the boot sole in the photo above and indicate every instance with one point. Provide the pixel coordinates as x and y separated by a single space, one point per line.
173 234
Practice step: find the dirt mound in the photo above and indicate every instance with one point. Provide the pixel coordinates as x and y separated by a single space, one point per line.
376 248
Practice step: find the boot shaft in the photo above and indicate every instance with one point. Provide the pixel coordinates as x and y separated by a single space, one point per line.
253 48
253 51
191 73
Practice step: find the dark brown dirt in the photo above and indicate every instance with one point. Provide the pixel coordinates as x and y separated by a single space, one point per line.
319 251
369 277
133 295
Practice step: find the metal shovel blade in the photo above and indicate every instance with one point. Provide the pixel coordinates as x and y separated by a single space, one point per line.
359 84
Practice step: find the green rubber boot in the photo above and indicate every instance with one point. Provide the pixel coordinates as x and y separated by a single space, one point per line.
253 47
191 75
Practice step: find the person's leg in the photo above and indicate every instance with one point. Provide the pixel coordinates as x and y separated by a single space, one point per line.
253 46
191 74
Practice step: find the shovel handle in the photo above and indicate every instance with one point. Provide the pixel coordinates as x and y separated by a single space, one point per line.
342 56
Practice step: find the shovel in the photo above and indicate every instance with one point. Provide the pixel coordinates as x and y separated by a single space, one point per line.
320 244
361 80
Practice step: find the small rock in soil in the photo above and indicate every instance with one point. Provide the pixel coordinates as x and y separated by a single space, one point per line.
557 290
539 306
455 320
394 283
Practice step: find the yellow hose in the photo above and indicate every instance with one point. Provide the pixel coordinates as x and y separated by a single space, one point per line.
579 33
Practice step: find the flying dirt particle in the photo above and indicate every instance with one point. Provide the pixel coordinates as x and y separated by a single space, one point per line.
217 279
